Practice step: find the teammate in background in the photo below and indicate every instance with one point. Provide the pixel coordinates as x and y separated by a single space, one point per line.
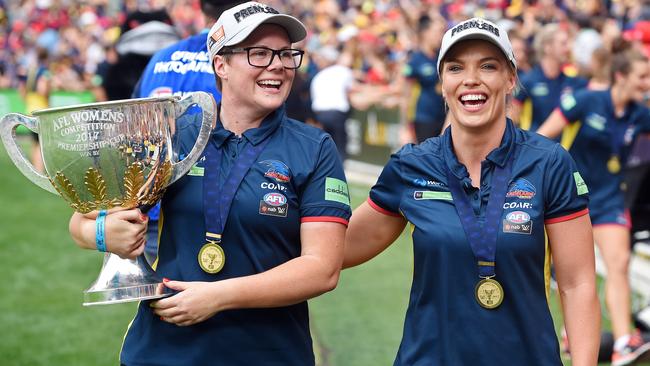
35 87
543 86
176 70
422 104
480 199
602 127
247 242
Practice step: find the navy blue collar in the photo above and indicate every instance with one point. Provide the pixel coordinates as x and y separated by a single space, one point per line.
253 135
498 156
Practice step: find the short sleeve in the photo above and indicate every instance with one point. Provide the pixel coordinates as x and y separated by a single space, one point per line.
572 105
566 194
385 195
325 196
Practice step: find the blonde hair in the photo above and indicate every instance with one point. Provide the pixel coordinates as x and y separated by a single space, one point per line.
543 38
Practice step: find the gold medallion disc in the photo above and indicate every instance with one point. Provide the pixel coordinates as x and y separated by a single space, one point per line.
489 293
211 258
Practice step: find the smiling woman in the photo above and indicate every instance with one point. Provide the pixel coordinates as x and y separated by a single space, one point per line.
255 230
480 255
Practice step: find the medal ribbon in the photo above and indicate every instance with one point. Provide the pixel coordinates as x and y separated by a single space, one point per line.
483 240
217 198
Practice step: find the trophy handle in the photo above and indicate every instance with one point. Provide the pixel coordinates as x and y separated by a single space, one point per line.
208 108
8 126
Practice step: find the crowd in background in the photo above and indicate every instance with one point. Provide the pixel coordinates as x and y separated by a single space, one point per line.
73 41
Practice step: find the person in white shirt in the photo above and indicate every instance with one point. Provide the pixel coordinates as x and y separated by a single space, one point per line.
330 90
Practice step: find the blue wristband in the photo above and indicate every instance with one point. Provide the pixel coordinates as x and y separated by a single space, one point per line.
100 222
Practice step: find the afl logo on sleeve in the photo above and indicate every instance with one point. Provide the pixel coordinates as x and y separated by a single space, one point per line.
521 189
518 222
277 170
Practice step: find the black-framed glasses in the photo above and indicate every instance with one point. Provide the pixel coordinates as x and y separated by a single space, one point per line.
263 56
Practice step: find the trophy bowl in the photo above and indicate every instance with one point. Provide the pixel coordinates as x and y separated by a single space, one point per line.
106 155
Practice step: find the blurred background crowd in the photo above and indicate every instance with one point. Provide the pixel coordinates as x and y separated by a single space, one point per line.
71 45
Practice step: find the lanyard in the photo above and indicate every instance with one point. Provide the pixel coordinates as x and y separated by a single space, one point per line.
217 199
482 239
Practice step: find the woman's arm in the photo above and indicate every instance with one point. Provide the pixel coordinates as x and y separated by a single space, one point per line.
369 233
572 247
314 272
553 125
125 231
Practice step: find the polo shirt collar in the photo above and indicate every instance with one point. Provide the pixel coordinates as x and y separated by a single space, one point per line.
498 156
254 135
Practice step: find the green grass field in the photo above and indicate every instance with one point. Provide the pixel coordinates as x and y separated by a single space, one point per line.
43 322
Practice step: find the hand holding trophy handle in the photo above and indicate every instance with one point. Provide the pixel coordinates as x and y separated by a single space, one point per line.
208 106
8 126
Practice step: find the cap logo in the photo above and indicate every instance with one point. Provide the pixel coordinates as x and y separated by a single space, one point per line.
473 24
217 37
253 9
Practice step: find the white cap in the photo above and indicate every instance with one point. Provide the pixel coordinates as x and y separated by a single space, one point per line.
477 28
237 23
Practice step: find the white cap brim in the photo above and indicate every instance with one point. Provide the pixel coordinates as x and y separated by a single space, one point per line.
503 43
295 29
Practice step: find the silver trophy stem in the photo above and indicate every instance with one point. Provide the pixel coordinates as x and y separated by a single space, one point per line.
125 280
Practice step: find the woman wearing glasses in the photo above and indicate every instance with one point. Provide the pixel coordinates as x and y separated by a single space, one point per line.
255 229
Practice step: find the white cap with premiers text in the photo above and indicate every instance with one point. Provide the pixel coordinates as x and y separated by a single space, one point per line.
477 28
237 23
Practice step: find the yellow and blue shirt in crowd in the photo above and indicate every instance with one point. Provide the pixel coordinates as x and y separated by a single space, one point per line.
539 95
600 143
427 104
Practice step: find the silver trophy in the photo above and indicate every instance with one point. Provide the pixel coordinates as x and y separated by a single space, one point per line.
112 154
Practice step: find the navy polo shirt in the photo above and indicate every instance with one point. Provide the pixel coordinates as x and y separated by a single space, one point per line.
444 324
600 143
540 95
427 96
299 164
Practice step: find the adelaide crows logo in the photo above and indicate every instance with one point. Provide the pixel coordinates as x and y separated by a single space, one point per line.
521 188
277 170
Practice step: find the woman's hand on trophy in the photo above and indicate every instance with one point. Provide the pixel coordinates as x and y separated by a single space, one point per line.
126 232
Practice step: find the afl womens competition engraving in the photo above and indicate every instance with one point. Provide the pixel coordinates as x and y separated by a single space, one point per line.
100 156
489 293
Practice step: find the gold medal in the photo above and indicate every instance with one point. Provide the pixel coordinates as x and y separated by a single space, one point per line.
211 257
489 293
614 165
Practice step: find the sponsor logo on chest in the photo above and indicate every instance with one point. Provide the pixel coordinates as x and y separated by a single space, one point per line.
518 222
274 204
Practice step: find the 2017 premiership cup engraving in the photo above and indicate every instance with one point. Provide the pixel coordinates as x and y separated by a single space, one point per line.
112 154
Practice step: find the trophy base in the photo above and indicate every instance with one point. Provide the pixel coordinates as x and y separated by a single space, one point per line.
126 294
125 280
